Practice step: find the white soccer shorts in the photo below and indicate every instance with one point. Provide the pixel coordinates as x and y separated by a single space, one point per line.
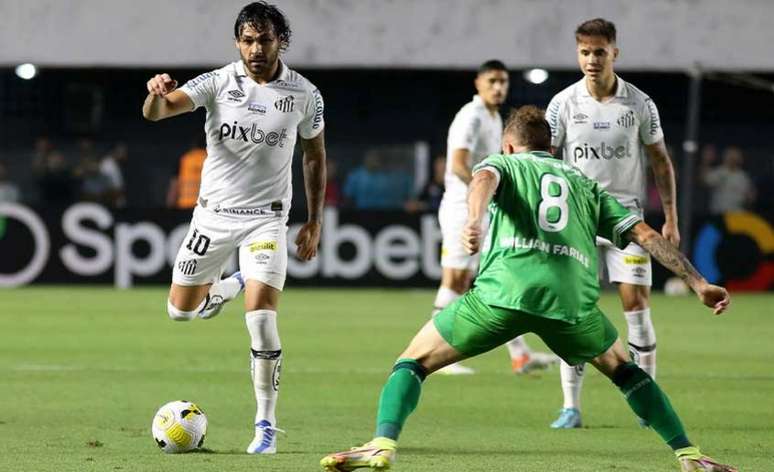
212 238
630 265
452 219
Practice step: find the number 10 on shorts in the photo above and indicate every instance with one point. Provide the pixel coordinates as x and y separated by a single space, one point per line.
198 243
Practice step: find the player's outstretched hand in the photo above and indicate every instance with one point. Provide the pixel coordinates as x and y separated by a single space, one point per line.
307 240
471 237
671 233
161 84
714 297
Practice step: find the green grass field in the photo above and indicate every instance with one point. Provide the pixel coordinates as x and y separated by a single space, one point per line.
82 371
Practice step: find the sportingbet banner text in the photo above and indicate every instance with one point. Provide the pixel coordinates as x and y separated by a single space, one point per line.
89 243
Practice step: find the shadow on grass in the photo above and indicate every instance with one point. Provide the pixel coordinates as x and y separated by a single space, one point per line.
240 452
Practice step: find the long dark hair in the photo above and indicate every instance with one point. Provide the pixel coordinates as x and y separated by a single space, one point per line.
259 15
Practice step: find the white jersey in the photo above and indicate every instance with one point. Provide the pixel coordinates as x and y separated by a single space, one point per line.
479 131
251 132
605 140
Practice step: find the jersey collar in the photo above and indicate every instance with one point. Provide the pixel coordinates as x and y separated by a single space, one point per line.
542 154
620 88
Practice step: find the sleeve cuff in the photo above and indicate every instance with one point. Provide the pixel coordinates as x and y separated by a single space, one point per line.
490 169
313 134
621 228
192 96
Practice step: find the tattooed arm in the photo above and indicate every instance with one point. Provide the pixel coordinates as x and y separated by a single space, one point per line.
314 184
664 174
670 257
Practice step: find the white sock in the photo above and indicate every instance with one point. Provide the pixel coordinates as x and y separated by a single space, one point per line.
517 347
182 315
642 339
265 362
572 381
220 292
443 298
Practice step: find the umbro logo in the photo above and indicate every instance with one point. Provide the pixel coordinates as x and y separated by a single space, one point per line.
580 118
285 104
236 93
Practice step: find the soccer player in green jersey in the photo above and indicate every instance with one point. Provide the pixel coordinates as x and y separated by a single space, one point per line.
538 274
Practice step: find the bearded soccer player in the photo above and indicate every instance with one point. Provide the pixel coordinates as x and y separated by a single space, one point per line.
609 129
538 274
475 133
255 108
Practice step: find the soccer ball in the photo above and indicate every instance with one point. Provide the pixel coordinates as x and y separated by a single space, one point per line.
179 426
675 287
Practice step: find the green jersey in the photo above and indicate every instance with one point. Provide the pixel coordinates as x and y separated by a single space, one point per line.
540 254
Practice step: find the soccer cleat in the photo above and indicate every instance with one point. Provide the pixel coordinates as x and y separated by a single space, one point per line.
377 454
265 440
238 275
568 418
691 459
215 302
456 369
533 361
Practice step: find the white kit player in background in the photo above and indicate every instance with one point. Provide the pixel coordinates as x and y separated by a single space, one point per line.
475 133
608 128
255 108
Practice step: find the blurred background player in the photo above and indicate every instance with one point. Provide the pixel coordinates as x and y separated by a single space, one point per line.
731 189
538 274
474 134
255 109
111 167
183 189
606 127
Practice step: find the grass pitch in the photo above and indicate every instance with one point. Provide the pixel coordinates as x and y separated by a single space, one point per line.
82 371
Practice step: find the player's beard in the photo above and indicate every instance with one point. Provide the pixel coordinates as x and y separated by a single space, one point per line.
262 66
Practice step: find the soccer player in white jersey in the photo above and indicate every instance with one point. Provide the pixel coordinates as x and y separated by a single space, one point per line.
475 133
610 130
255 108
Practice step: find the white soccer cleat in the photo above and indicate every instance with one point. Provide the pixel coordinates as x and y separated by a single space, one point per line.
265 440
215 302
456 369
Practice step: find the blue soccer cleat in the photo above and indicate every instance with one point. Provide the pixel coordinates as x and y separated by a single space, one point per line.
569 418
238 275
265 440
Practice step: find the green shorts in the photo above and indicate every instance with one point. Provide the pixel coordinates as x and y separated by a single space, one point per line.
472 327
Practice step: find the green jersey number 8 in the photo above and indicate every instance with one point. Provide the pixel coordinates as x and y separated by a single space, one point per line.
549 202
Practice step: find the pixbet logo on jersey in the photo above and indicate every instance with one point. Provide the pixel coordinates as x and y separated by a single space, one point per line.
253 134
602 152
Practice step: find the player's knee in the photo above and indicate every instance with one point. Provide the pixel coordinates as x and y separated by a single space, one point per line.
636 300
636 304
179 315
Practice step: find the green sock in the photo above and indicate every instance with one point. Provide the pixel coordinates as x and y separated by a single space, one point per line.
651 404
399 398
